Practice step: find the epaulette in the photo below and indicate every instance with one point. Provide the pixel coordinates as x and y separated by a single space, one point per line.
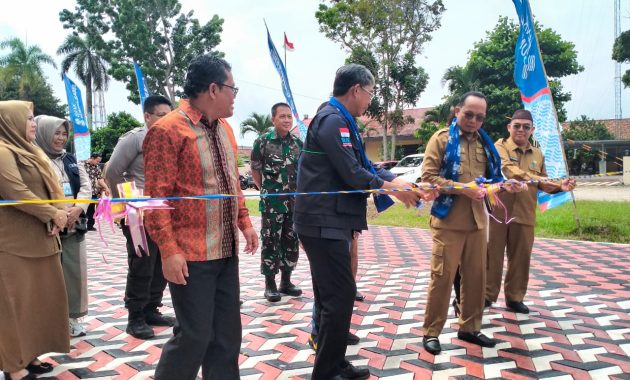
132 132
440 131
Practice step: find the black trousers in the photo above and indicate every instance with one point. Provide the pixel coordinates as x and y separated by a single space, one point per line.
334 288
145 280
90 214
208 330
457 284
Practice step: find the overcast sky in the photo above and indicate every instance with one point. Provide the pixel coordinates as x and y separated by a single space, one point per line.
311 67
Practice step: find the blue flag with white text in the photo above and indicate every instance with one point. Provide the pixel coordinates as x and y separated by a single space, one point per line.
143 89
79 122
286 89
530 77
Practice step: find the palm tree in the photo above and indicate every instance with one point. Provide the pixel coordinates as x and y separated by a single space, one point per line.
257 123
365 129
461 79
442 112
23 63
89 66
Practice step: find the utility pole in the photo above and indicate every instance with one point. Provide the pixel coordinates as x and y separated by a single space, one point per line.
618 114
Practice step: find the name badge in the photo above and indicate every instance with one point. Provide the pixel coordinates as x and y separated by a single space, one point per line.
67 190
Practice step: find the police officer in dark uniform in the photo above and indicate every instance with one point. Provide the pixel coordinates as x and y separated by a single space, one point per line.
333 159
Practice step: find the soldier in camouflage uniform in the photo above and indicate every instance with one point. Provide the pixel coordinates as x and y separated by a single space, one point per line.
274 169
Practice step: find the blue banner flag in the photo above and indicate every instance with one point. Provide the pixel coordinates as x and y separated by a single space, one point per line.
286 89
79 122
143 89
531 79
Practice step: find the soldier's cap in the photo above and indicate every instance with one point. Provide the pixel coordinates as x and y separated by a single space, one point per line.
523 115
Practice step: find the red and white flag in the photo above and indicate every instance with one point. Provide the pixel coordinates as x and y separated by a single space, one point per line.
287 44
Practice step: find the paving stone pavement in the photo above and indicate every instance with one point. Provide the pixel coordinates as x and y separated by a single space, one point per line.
579 327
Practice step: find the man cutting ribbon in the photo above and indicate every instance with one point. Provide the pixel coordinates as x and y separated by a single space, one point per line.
334 159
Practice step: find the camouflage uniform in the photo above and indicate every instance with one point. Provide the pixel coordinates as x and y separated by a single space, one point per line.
276 158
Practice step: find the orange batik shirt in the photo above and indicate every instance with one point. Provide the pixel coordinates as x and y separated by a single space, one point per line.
186 156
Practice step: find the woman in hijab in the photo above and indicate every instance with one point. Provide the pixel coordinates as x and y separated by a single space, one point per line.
33 305
52 136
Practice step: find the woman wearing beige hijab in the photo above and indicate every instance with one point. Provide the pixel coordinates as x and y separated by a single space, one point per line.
33 303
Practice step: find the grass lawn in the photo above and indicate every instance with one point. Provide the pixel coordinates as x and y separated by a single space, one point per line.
601 221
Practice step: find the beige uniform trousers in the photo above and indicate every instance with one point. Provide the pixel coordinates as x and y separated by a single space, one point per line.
466 249
517 240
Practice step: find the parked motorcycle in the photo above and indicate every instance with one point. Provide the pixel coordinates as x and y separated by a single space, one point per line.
243 182
247 181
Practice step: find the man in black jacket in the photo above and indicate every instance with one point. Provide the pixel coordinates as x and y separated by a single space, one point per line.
333 159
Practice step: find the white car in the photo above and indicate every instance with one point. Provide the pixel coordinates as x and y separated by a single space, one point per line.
409 168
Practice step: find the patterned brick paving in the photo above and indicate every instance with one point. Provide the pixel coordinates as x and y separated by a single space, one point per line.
579 326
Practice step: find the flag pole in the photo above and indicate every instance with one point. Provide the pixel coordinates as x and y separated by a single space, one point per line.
284 43
576 215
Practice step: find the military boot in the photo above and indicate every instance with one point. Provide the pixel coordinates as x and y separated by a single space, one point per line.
137 326
287 287
271 292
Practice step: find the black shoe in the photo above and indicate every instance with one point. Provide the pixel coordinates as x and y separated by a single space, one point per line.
138 328
290 290
487 304
287 287
359 297
354 373
518 307
39 369
476 338
353 340
155 318
271 292
432 344
91 229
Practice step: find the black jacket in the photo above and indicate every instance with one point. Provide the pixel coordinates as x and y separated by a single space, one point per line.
72 171
331 161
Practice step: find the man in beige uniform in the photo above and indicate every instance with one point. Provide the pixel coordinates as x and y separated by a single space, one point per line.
523 162
460 236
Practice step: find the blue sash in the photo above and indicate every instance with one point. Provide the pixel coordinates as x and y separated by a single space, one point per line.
452 162
381 201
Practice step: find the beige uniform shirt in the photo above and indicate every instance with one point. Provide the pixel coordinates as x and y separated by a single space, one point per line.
522 164
465 214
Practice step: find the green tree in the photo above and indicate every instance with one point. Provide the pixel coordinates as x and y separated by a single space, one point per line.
440 113
385 36
104 139
156 34
583 129
89 66
621 53
23 63
41 94
490 69
365 128
424 133
256 123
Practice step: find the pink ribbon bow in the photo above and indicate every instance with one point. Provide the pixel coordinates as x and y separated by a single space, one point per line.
132 212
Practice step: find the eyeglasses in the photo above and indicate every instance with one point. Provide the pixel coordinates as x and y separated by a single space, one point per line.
471 115
369 92
525 127
234 89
